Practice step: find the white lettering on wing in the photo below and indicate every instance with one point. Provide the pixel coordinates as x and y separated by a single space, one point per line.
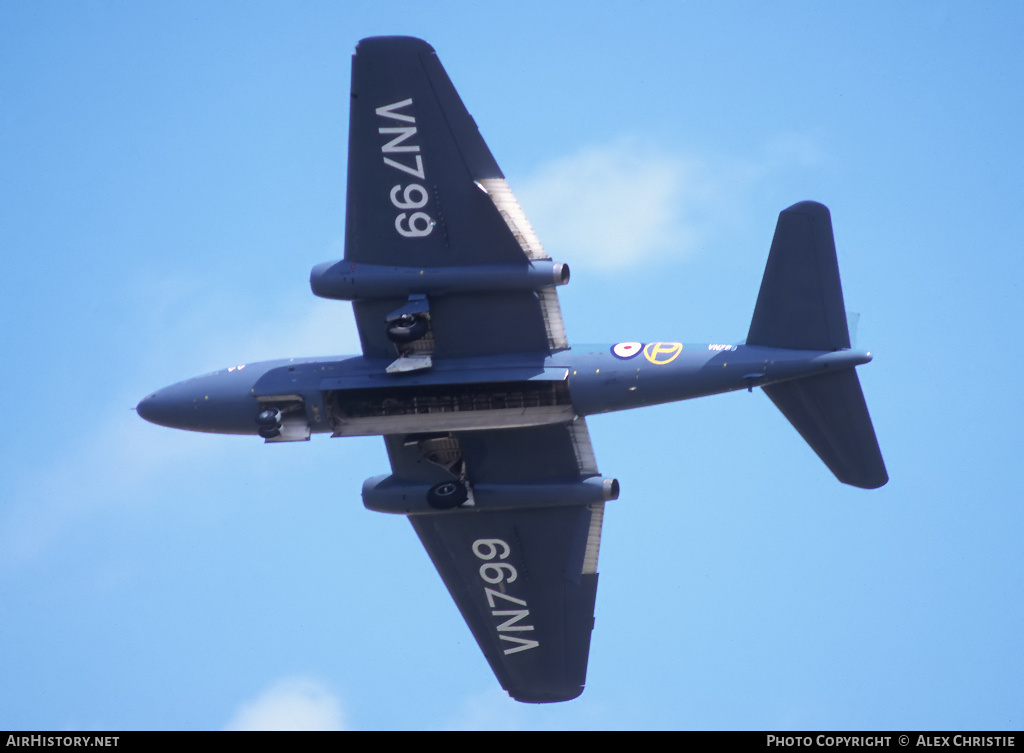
496 573
414 195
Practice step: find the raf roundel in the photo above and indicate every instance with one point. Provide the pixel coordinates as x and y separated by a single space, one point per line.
626 350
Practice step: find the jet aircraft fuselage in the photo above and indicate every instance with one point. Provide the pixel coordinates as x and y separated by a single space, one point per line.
353 396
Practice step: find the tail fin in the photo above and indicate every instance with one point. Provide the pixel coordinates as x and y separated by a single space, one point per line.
800 306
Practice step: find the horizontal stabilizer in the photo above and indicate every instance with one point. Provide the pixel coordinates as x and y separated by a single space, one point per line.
800 304
830 413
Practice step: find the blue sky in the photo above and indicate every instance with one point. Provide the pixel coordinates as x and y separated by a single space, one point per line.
171 172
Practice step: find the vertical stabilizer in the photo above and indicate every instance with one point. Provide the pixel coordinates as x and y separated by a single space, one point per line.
800 305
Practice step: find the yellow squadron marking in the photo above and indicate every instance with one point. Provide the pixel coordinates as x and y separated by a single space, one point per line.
661 353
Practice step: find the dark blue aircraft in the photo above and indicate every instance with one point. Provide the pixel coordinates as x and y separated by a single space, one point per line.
467 373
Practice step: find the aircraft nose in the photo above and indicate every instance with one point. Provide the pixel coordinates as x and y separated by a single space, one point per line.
155 408
221 402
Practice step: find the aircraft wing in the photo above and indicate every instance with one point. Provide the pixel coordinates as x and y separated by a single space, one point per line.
425 197
425 192
523 573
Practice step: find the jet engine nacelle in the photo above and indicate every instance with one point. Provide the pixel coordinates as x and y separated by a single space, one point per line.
346 281
388 494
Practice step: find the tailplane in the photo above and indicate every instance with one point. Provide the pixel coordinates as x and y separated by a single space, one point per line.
830 413
800 307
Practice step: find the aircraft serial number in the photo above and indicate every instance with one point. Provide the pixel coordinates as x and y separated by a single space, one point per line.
414 195
495 573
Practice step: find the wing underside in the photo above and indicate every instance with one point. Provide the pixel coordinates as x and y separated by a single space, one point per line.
519 560
425 192
427 201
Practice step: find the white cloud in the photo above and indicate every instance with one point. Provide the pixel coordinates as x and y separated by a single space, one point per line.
618 202
491 709
307 326
628 201
607 203
207 329
294 703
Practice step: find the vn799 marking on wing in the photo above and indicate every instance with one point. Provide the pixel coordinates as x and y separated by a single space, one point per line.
503 572
413 195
